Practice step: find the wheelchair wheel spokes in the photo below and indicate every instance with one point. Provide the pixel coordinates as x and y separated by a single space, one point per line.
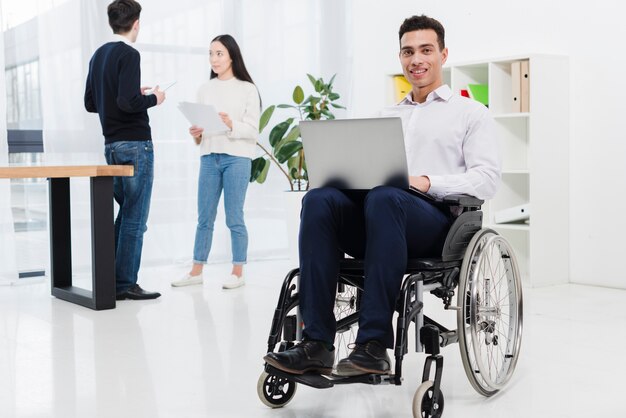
346 315
490 318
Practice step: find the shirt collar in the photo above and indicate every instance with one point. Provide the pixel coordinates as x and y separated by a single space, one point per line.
119 38
442 92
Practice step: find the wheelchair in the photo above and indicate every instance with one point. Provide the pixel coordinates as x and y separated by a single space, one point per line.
489 310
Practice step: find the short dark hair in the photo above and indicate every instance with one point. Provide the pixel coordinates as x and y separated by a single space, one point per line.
424 22
122 15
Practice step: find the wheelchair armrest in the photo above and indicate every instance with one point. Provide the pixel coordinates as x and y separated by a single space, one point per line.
462 200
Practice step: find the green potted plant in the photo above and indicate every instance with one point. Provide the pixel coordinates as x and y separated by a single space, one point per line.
284 138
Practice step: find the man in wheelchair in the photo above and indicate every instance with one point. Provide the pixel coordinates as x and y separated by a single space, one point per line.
451 149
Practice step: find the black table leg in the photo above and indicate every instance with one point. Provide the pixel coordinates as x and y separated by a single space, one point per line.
60 233
102 243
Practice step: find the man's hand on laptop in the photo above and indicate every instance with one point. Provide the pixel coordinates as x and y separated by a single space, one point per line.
421 183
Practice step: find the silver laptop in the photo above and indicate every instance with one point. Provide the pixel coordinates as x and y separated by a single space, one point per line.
357 154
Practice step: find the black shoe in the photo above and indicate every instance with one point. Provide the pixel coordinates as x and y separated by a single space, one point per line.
308 356
370 357
136 293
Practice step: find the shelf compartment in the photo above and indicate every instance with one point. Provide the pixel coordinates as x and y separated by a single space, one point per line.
514 191
512 135
463 75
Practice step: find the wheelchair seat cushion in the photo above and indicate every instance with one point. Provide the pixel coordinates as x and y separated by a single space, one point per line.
357 266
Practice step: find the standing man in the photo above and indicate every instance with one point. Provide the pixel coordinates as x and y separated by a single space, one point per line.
451 149
113 91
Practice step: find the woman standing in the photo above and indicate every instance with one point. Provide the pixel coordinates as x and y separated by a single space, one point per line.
226 158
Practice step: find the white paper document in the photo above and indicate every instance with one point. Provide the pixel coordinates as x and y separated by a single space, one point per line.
203 115
163 87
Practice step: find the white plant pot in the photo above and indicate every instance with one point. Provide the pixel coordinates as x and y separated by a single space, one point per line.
293 206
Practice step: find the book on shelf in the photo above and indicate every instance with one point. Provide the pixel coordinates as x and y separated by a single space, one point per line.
513 214
516 86
520 86
525 86
479 92
401 87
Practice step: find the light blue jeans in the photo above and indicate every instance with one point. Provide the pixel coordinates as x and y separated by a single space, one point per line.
232 174
133 195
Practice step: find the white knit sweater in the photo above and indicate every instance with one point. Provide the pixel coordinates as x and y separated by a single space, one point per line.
240 99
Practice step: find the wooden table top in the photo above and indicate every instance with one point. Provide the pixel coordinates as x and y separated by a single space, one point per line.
63 171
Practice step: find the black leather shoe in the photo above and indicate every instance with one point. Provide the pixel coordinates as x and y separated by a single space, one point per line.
136 293
370 357
308 356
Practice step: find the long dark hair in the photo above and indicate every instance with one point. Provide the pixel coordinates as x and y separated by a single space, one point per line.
239 67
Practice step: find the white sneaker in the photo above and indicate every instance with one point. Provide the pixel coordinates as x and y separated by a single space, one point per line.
233 282
187 280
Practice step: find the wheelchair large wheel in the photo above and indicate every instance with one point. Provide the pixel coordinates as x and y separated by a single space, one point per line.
275 391
346 314
490 318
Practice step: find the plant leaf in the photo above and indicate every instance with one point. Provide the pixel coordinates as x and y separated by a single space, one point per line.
298 95
263 176
293 134
312 79
265 117
336 106
292 165
328 114
286 106
333 96
279 130
330 83
287 150
258 164
319 85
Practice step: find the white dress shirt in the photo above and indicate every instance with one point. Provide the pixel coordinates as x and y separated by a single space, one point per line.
450 139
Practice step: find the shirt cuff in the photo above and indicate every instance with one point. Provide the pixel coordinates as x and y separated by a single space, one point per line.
437 189
234 130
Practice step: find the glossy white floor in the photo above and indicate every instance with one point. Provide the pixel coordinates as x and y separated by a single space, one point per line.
196 352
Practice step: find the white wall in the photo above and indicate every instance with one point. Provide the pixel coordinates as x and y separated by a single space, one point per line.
592 36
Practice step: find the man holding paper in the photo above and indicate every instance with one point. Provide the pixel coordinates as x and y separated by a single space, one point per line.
113 91
227 145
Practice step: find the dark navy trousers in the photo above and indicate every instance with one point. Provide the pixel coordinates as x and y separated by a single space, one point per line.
384 226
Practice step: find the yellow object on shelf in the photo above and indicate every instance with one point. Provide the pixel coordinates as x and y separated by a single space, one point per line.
401 87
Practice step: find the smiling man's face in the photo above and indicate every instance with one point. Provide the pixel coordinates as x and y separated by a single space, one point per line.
422 61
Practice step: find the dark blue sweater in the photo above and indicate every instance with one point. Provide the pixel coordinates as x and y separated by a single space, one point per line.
114 92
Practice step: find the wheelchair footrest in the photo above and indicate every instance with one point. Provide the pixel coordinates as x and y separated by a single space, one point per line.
319 381
368 379
310 379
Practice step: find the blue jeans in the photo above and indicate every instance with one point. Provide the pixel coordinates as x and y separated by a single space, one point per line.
385 227
232 174
133 195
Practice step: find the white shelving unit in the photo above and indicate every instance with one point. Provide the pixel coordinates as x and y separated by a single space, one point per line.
535 159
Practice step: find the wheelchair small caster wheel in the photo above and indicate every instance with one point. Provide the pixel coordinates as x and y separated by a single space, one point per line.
275 391
423 406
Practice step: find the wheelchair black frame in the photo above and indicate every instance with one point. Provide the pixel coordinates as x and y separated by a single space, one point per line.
437 276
